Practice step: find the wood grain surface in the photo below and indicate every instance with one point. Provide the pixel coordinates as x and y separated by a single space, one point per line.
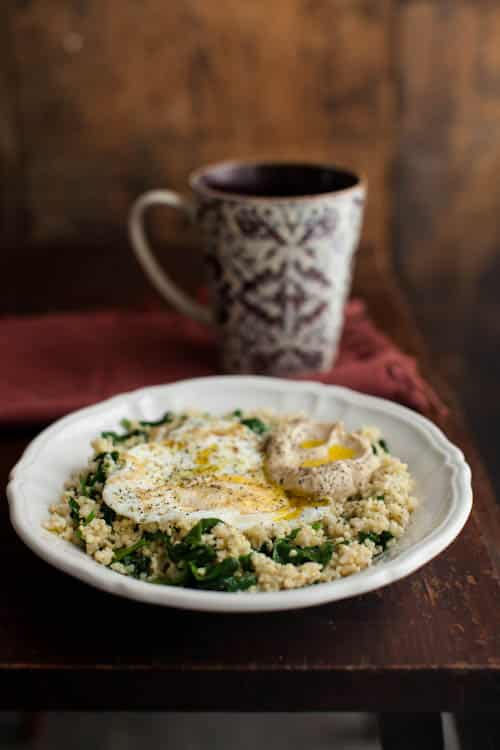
446 228
430 642
117 96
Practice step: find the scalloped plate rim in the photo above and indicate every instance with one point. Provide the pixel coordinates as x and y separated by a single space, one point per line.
381 574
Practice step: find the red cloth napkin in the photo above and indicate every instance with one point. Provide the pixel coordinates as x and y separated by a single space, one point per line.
53 364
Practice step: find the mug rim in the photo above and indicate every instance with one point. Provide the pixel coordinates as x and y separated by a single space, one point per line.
196 184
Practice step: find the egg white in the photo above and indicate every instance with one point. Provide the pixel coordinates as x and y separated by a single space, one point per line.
207 467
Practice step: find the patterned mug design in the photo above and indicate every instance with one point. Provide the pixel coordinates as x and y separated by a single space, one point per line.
279 271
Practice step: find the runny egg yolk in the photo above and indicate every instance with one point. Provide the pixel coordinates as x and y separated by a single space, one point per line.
311 444
336 452
203 457
296 506
202 460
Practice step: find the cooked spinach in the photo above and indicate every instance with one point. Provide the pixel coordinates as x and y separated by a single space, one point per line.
83 486
136 432
240 583
316 526
210 583
131 556
125 551
193 537
75 517
253 423
167 417
285 551
199 554
116 438
226 568
213 576
139 562
88 484
380 540
191 549
230 583
182 579
246 562
108 514
380 445
222 576
197 564
256 425
74 510
157 536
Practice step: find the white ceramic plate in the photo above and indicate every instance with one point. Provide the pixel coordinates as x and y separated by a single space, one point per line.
442 477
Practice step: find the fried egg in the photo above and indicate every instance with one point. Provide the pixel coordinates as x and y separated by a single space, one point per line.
206 467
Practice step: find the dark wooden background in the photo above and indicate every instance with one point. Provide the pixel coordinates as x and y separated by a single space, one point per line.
103 99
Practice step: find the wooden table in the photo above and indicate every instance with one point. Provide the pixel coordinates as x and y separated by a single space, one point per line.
427 644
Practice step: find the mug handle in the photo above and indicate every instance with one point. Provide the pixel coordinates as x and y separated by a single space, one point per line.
157 276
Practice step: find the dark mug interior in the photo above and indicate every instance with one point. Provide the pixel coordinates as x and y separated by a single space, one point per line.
273 180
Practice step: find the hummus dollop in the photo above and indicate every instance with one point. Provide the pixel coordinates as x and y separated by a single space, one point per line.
319 459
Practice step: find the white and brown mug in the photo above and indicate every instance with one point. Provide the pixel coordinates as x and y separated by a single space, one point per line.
279 240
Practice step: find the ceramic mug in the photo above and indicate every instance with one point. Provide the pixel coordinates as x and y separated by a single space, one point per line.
279 240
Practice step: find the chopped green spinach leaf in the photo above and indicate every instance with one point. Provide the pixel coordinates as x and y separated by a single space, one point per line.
193 537
98 476
200 554
125 551
227 567
116 438
157 536
380 540
74 510
285 552
256 425
108 514
83 486
222 576
75 517
167 417
237 583
190 549
246 562
197 562
139 562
